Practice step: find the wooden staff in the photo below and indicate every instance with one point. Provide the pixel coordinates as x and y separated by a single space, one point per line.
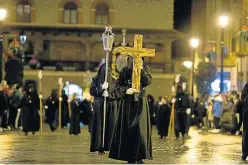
60 100
40 98
171 132
69 101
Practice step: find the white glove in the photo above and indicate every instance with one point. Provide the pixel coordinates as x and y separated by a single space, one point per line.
160 103
46 107
188 111
173 100
193 116
130 91
19 110
60 99
105 94
105 85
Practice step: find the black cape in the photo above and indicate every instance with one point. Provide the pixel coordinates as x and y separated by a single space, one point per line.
52 112
132 133
30 112
98 109
64 111
86 117
163 119
181 105
75 118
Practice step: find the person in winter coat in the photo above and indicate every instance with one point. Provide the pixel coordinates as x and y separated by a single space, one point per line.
217 111
210 117
228 118
200 113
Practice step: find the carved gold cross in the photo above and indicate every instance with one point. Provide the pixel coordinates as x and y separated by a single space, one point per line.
137 52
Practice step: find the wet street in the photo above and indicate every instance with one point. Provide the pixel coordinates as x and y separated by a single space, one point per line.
59 147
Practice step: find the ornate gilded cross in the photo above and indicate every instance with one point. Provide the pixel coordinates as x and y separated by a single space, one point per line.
137 52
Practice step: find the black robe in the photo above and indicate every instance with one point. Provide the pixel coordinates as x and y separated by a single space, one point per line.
30 112
3 103
98 109
163 119
75 118
87 114
64 111
244 97
132 133
181 105
52 112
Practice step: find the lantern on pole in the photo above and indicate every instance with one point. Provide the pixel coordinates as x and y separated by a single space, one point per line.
108 39
40 75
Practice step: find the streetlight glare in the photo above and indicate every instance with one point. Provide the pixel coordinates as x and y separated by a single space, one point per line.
194 42
223 21
3 14
188 64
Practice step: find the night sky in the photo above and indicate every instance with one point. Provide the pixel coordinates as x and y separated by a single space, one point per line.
182 15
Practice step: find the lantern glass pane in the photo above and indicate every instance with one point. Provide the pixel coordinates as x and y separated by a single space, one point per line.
105 42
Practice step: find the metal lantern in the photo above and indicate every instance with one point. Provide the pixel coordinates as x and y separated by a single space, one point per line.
108 39
23 38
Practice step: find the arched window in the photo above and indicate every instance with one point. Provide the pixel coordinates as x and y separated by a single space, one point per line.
23 12
102 14
70 13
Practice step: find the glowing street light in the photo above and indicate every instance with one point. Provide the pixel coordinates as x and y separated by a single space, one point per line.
223 21
3 14
194 43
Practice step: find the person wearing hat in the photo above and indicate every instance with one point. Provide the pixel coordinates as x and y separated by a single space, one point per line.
182 108
30 107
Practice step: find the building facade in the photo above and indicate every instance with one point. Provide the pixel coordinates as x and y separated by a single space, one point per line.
205 25
69 31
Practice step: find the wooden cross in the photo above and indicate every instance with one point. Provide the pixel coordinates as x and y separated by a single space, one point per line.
137 52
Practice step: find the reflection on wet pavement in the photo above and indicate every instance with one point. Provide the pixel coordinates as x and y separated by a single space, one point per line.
59 147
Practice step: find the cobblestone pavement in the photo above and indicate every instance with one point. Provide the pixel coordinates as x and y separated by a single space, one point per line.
59 147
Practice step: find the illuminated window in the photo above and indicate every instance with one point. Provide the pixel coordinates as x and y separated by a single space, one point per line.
23 12
102 14
70 13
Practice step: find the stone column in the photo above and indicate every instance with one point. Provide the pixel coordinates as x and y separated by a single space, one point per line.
88 51
61 15
167 60
33 14
111 16
92 16
79 16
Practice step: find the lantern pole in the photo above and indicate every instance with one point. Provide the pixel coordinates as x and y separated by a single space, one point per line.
40 98
108 39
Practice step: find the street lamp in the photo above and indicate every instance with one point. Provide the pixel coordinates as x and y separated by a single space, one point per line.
223 21
3 14
23 39
194 43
